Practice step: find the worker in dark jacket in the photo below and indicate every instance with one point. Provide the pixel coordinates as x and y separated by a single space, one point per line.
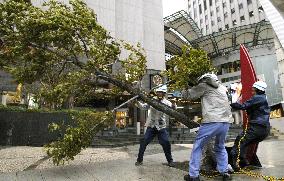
258 112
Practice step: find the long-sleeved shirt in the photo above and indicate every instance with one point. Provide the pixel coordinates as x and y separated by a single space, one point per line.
214 101
155 118
257 108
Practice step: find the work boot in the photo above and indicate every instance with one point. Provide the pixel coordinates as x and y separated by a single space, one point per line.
244 163
188 178
138 163
226 176
171 164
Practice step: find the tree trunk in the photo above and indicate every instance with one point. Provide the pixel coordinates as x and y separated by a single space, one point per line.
208 159
184 119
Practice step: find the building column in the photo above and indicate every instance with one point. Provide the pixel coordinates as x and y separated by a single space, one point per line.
279 50
277 22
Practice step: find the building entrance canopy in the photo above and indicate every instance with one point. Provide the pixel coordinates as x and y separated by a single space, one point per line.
180 30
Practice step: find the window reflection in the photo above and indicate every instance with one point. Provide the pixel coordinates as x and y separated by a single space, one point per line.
229 67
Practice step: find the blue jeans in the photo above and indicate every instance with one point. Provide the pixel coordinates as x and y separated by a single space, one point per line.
163 138
205 133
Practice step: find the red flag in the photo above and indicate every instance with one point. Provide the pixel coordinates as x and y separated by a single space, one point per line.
248 77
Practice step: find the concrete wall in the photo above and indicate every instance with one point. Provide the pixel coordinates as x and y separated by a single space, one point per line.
135 21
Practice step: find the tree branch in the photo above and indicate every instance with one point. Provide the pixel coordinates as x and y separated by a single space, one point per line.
152 102
134 91
84 44
75 60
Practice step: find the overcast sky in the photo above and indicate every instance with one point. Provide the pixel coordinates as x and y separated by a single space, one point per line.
172 6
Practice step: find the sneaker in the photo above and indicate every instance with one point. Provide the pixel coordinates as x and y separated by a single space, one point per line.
188 178
171 164
226 176
138 163
230 169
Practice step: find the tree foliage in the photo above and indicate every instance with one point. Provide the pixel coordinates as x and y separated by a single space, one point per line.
76 137
185 69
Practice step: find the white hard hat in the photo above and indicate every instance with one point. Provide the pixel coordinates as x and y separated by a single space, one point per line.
208 75
162 88
260 85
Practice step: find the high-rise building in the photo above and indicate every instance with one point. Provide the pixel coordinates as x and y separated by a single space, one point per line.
218 15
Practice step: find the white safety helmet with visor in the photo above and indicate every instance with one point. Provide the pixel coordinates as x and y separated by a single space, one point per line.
162 88
260 85
208 75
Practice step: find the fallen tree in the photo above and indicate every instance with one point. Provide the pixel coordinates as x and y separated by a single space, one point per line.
62 52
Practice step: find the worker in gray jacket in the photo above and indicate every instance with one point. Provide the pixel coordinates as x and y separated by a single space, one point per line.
217 116
156 125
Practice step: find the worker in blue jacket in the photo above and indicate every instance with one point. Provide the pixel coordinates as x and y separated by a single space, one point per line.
258 112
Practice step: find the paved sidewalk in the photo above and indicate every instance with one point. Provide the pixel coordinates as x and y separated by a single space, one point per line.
278 123
122 168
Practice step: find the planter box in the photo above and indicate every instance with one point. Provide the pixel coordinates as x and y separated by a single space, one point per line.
29 128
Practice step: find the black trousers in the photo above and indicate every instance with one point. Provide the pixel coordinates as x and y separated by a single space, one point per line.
163 138
255 134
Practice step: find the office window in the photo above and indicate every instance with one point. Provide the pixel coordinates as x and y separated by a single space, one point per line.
233 10
231 1
220 29
224 4
195 13
241 6
242 18
210 2
207 27
218 19
225 14
212 23
234 22
205 5
251 14
249 1
206 17
201 21
227 26
218 9
200 10
211 13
